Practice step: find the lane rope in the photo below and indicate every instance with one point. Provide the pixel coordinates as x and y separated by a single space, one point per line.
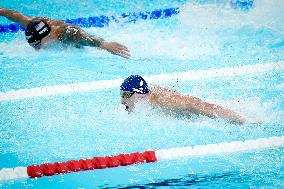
50 169
103 21
160 78
129 17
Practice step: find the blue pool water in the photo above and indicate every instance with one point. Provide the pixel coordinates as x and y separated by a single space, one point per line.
205 35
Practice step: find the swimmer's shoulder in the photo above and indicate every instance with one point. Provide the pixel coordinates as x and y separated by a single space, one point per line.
51 22
165 93
68 31
160 89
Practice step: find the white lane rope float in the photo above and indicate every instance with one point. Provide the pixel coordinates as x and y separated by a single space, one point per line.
172 77
50 169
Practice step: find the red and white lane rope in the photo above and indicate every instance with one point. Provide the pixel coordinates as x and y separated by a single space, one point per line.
49 169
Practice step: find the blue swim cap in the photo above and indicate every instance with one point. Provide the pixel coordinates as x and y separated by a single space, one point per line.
135 83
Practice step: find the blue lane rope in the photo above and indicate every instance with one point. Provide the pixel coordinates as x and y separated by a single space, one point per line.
102 21
242 4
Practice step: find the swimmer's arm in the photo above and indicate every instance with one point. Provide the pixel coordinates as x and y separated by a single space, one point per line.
177 101
213 110
85 39
16 16
82 38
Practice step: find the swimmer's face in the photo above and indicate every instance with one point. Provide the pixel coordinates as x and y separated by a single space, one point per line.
127 99
40 44
36 45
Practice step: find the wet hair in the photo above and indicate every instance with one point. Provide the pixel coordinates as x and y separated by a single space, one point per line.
136 84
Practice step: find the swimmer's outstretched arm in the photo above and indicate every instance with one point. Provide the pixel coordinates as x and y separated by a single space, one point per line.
80 37
213 110
195 105
16 16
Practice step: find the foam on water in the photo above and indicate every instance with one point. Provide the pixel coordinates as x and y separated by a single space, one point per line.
255 110
264 14
189 35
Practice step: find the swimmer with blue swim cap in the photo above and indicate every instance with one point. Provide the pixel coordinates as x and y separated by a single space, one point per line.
41 32
134 86
135 89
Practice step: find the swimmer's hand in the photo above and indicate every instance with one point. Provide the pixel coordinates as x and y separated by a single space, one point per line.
116 48
2 10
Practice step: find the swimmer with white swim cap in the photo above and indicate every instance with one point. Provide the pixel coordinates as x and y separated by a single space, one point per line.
41 31
135 89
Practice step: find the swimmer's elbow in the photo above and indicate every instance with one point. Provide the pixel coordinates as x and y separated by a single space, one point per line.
237 120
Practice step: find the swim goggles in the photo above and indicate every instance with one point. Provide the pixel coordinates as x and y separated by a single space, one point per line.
36 44
126 95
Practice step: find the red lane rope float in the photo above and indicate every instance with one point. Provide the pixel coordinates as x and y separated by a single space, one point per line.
49 169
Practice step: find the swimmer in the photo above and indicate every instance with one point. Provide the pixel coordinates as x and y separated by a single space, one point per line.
135 89
42 31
